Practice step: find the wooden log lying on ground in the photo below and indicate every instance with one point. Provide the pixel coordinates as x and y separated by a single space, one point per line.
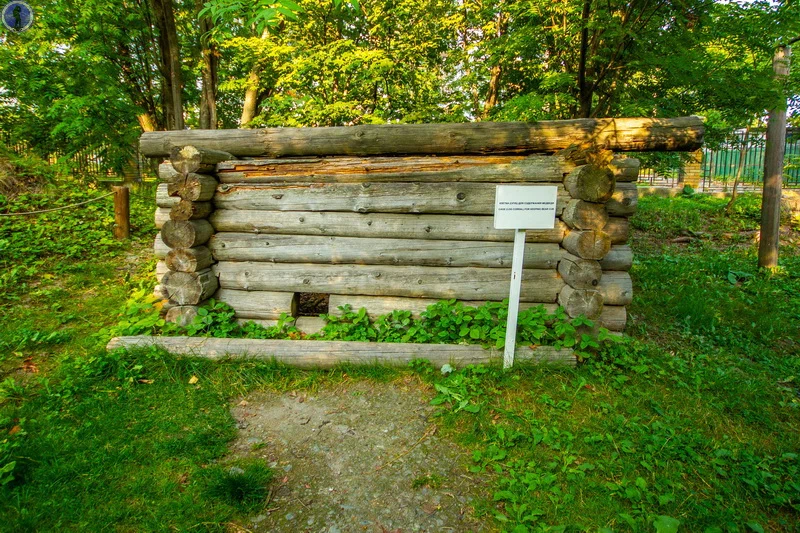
378 280
187 233
188 159
263 305
189 288
547 136
163 199
167 173
378 225
361 250
160 248
577 302
383 305
497 169
620 257
618 229
624 201
189 259
327 354
580 273
625 169
435 198
185 210
588 244
194 188
616 288
590 183
182 315
161 216
579 214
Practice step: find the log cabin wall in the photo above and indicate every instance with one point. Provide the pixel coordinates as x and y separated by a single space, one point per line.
393 231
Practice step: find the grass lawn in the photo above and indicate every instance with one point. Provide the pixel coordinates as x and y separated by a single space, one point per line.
690 426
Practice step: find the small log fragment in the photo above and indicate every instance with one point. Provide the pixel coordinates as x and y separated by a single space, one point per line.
161 270
163 199
619 229
613 317
189 288
188 159
590 183
580 273
160 248
160 293
588 244
309 324
186 233
620 257
195 188
616 288
263 305
580 214
625 169
189 259
161 216
185 210
577 302
182 315
167 173
624 201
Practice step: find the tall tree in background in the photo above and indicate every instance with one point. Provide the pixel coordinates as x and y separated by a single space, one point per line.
209 65
170 66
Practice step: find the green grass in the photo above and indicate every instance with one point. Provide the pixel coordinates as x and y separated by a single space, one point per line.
694 422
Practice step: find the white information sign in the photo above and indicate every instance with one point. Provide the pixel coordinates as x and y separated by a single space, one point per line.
525 206
521 207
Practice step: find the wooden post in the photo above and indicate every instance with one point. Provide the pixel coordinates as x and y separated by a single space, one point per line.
122 213
773 167
513 298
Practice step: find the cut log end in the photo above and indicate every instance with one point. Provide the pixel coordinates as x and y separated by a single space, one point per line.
187 159
591 183
590 244
186 234
189 288
581 302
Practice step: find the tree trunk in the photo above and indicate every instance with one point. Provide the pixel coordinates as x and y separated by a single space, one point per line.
250 107
210 64
170 63
739 169
584 92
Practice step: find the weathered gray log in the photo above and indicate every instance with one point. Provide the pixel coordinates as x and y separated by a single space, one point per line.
621 134
263 305
625 169
588 244
160 293
160 248
270 323
189 259
618 229
384 305
161 216
590 183
163 199
185 210
620 257
431 282
161 269
613 317
577 302
497 169
166 173
580 273
327 354
189 288
580 214
188 159
624 201
377 225
186 233
443 198
616 288
182 315
309 324
194 188
368 251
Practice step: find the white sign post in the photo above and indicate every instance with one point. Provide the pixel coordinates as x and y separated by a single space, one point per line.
521 207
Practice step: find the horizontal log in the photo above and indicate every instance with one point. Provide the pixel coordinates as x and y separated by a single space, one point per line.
420 282
384 305
624 201
590 183
377 225
163 199
186 233
166 173
496 169
188 159
265 305
309 324
616 287
160 248
327 354
547 136
620 257
625 169
587 244
161 216
185 210
613 317
278 248
193 188
161 269
618 229
581 302
579 214
189 259
435 198
579 273
189 288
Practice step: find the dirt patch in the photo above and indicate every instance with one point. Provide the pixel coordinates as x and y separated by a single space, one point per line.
360 457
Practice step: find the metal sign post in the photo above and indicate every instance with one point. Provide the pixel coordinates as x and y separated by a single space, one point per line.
521 207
